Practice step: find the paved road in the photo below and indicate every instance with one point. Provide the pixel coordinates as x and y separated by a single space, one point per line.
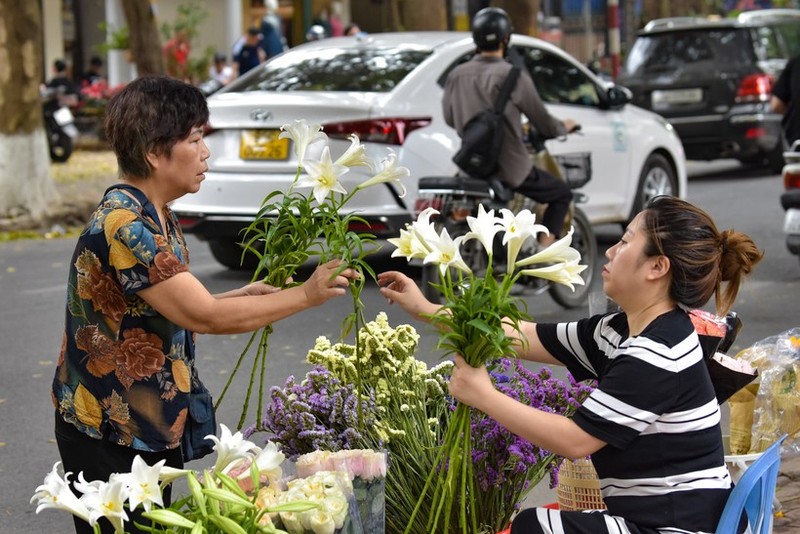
32 277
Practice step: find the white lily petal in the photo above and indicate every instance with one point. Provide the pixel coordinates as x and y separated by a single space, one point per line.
303 134
567 274
446 253
518 228
229 447
558 252
323 176
390 172
483 228
55 493
143 484
108 502
355 155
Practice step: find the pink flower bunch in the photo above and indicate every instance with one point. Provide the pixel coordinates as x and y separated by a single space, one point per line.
365 464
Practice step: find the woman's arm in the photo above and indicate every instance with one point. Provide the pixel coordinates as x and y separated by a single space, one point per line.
186 302
399 288
552 432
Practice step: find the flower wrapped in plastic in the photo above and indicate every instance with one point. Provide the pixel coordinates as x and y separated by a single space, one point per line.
366 469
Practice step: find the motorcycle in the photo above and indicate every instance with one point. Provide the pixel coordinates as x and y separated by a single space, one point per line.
790 198
456 197
59 125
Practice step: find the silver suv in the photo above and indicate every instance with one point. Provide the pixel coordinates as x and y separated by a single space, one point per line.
711 78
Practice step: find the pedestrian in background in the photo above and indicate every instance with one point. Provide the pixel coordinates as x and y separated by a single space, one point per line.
220 70
94 73
786 99
176 54
272 40
250 54
127 361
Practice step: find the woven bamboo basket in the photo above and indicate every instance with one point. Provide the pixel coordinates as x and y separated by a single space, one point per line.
578 486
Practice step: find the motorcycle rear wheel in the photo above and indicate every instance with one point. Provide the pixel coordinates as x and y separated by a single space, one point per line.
61 147
585 242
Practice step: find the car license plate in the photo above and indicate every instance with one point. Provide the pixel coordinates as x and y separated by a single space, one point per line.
791 224
263 145
665 99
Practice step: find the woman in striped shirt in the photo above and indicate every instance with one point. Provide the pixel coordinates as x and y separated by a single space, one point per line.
652 426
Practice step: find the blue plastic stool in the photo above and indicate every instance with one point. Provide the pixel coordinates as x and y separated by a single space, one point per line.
754 494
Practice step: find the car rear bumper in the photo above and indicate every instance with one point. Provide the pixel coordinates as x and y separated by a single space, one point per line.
734 135
231 227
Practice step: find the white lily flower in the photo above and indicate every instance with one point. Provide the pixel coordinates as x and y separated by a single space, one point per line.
518 228
85 486
483 228
229 447
559 252
170 474
55 493
268 462
404 245
567 273
390 172
108 502
446 253
323 176
143 484
355 155
303 134
424 230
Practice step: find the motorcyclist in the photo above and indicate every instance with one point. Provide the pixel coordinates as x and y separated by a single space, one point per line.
473 86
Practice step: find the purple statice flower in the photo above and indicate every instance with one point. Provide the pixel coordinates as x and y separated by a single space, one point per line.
503 459
318 413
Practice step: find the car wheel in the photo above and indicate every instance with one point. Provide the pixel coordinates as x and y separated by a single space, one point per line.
229 253
657 178
774 158
585 242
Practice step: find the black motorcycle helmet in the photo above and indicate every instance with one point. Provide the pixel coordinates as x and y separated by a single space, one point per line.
491 27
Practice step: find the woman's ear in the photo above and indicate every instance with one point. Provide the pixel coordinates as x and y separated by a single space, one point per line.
152 160
659 267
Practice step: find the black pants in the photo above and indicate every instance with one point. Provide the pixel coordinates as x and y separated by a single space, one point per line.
543 187
97 459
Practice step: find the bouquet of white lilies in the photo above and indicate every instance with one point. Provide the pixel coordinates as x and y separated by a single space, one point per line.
473 322
229 497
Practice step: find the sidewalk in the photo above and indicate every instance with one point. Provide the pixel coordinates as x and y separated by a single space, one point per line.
788 493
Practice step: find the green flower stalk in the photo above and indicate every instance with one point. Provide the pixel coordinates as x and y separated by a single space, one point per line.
290 228
473 323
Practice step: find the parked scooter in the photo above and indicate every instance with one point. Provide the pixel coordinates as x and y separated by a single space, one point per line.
456 197
59 125
790 198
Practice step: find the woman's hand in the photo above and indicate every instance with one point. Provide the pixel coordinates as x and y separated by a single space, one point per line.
258 288
399 288
323 285
471 385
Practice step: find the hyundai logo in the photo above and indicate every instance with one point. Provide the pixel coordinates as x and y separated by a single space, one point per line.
261 115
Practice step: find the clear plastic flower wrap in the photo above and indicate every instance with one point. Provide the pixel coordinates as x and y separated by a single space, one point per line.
777 403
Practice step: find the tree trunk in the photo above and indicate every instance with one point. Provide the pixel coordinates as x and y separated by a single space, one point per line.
145 44
421 15
26 187
522 14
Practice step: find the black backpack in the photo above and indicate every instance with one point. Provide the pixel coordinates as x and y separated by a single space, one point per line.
482 136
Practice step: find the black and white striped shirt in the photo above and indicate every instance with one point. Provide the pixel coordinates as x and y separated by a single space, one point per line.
654 405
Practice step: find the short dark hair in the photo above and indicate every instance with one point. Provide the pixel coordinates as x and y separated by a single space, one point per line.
151 114
95 61
253 31
60 65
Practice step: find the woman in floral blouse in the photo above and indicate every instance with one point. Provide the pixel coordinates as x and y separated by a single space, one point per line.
127 357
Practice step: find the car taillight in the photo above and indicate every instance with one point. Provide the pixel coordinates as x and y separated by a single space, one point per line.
392 131
422 203
208 129
187 221
755 88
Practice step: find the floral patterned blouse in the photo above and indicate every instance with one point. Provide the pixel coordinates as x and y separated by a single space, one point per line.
124 370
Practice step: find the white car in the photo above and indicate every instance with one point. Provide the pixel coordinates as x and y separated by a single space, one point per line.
387 89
